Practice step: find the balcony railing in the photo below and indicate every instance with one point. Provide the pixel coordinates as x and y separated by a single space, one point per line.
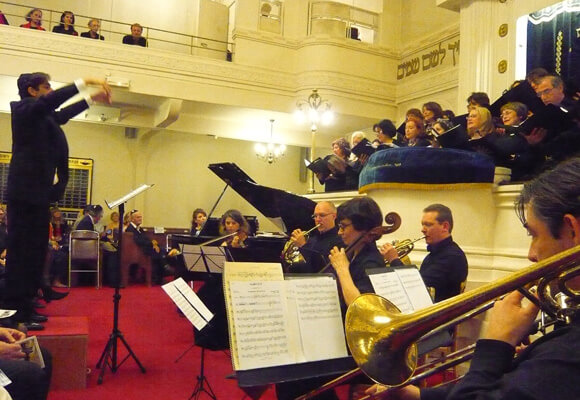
114 31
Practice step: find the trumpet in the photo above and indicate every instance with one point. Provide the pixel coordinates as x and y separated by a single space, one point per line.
406 246
291 254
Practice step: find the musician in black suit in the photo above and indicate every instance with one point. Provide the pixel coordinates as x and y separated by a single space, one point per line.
37 177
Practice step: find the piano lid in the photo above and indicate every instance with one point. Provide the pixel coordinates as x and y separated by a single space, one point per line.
286 210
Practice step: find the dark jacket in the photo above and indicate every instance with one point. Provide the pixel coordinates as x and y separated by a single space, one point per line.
39 146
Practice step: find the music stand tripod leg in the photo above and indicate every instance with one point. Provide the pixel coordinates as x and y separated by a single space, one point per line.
201 381
110 351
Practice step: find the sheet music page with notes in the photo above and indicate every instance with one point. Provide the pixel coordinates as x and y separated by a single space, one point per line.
245 272
260 315
415 287
402 286
319 318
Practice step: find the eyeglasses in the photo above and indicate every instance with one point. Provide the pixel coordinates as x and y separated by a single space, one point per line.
544 92
320 215
343 226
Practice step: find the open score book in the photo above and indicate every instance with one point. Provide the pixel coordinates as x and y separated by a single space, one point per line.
275 322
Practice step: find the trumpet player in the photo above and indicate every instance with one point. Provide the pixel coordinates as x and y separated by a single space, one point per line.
316 248
549 208
444 269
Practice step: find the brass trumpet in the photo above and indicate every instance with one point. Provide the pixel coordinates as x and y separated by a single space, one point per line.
406 246
291 254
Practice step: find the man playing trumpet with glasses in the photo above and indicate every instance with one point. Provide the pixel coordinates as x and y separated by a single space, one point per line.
549 208
316 247
444 269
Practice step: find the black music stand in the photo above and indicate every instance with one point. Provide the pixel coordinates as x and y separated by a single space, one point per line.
109 355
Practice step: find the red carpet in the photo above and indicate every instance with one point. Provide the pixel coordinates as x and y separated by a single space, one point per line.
158 336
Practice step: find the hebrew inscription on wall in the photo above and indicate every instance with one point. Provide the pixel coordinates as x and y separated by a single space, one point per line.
445 52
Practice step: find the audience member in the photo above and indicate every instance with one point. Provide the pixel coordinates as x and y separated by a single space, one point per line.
159 262
3 20
135 37
57 263
27 381
34 18
444 270
93 32
233 223
92 217
67 24
109 245
198 221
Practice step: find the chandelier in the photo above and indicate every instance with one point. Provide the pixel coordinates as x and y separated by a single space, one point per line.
270 152
316 111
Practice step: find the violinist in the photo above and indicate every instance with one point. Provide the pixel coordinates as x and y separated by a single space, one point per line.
233 222
358 219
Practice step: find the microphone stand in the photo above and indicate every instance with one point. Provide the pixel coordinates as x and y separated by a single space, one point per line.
109 356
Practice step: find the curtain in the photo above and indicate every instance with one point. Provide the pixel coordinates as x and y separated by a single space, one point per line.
554 41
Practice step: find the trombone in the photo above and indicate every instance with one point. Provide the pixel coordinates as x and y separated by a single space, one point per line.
382 340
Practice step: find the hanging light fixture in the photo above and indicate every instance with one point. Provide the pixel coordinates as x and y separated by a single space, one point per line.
270 152
316 111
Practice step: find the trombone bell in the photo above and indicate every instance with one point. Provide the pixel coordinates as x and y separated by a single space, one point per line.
377 354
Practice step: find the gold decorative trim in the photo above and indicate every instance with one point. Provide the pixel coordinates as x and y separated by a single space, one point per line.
423 186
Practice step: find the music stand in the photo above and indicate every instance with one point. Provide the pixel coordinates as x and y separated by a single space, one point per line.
109 355
199 315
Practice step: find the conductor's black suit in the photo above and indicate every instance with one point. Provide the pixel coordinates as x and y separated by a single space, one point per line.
39 154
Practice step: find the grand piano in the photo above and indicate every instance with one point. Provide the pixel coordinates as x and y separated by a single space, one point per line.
285 210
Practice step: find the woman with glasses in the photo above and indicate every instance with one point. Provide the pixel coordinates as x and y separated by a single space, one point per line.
357 218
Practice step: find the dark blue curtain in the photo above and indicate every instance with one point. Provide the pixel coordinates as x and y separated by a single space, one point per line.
554 41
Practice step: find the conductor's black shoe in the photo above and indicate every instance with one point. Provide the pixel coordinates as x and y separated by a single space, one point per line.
38 318
32 326
48 294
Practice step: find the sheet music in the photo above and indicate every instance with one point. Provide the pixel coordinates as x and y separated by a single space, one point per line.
389 286
245 271
402 286
319 318
188 302
415 287
260 317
